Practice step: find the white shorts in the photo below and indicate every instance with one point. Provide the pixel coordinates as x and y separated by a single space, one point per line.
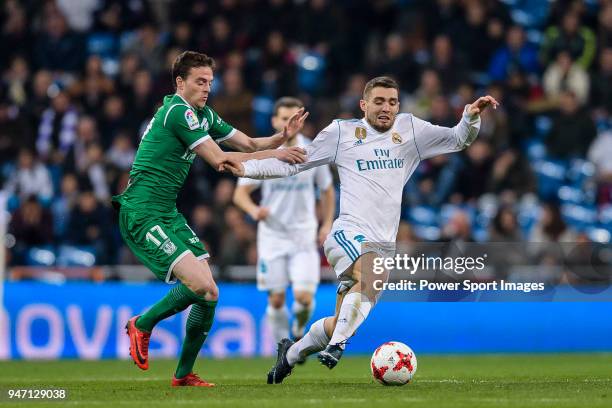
343 248
302 269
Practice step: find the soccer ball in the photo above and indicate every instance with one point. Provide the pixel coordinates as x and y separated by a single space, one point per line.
393 363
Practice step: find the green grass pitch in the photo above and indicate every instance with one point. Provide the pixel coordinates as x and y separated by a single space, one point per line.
551 380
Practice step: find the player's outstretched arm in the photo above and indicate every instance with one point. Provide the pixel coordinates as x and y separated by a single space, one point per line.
466 131
270 168
321 151
432 140
213 155
291 155
242 142
481 104
262 169
217 158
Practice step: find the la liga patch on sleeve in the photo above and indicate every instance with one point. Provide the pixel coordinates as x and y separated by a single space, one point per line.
191 119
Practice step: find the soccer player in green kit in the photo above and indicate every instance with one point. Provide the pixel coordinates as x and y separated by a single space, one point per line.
150 224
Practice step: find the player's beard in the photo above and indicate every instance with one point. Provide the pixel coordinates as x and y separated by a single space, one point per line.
381 128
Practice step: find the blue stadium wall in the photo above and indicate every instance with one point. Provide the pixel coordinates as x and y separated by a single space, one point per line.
85 320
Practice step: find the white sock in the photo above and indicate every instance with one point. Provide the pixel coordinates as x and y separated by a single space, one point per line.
353 311
278 321
315 340
301 315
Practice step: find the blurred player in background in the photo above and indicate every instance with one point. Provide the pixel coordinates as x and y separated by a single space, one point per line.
287 235
149 222
375 155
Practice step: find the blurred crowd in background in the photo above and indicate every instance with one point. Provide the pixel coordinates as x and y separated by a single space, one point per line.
82 78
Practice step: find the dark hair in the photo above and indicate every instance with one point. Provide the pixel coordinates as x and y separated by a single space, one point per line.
498 223
556 226
187 60
287 102
382 81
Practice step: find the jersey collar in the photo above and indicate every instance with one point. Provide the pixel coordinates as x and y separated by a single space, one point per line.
187 103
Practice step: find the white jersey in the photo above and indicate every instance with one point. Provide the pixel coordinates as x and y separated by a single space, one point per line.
373 166
291 201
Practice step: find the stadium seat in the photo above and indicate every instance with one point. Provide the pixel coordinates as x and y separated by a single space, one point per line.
40 256
12 203
311 67
68 255
600 235
528 214
447 211
605 217
103 45
480 234
528 13
535 149
487 206
262 110
543 124
550 176
106 46
427 233
424 221
422 215
580 172
56 173
571 195
579 217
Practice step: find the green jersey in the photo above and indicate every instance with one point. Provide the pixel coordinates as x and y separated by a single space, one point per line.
165 153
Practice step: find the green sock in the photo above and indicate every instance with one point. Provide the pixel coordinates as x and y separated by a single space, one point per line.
199 323
177 300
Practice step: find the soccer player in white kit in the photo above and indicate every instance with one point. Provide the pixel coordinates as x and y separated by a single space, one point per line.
287 238
375 157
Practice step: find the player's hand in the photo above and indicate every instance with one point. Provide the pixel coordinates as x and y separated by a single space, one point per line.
260 213
481 104
323 233
291 155
295 124
232 166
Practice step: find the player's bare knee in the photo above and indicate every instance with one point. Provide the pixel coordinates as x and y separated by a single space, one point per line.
198 288
212 295
329 325
305 298
204 287
276 299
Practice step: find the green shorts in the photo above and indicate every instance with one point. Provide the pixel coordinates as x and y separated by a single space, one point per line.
159 241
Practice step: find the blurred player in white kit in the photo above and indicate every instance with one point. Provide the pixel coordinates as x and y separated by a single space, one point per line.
287 237
375 157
